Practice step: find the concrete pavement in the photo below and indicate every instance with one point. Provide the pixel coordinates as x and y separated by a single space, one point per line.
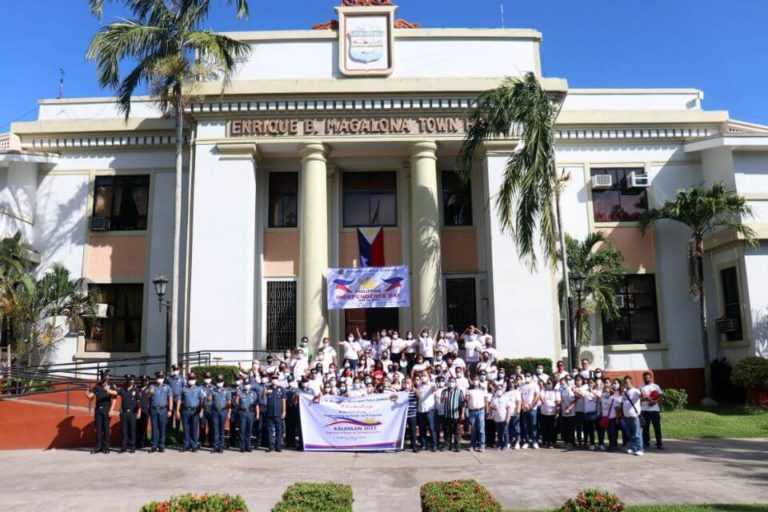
701 471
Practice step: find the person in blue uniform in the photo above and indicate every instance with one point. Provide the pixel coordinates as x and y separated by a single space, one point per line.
248 411
292 412
220 400
142 420
234 415
189 410
206 432
160 410
130 411
103 392
176 381
275 414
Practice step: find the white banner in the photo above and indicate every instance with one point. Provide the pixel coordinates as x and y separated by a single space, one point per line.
369 423
369 287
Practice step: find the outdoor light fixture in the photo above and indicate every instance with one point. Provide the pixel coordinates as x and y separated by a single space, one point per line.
161 286
578 279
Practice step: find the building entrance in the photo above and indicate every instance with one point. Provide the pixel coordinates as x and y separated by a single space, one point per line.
371 320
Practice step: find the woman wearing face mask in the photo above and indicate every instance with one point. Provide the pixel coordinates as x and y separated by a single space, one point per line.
567 412
515 402
413 404
579 390
591 398
426 346
501 411
420 365
550 405
352 351
441 343
614 406
411 347
604 406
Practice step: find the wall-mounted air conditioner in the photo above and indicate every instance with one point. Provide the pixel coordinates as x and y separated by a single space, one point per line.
638 180
99 224
602 181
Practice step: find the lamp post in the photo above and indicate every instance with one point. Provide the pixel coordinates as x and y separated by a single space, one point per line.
161 286
577 284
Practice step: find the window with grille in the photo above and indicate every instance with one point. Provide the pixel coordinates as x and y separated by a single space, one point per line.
281 315
639 321
124 200
457 200
461 302
370 199
120 331
732 304
283 199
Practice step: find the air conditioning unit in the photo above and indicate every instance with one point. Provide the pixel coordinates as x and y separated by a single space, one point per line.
99 224
595 355
621 301
100 311
602 181
639 180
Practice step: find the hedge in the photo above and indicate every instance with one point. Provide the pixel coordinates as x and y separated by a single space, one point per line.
205 503
751 372
229 372
593 500
322 497
528 364
457 496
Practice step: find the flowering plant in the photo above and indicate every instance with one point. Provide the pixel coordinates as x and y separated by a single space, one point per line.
593 500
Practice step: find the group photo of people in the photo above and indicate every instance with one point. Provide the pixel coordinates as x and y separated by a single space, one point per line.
460 396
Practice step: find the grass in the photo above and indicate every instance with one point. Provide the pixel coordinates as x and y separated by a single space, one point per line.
684 508
726 422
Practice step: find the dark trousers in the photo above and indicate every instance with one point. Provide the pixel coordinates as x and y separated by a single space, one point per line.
275 427
567 429
578 427
218 420
440 428
613 433
246 428
174 425
205 435
411 429
548 433
590 418
426 421
291 422
234 428
451 432
141 429
159 417
260 428
651 418
502 434
128 426
490 433
529 426
101 420
190 421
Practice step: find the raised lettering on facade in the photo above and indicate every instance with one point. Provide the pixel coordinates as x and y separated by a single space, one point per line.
447 125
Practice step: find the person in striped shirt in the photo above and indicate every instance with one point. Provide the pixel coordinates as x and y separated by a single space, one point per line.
452 399
413 404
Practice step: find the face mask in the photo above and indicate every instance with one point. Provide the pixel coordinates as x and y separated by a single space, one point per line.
238 383
274 383
528 380
160 382
409 337
482 378
287 355
615 386
303 343
499 392
476 383
627 385
192 382
574 374
451 385
219 384
343 389
539 371
247 387
175 373
598 375
350 339
207 381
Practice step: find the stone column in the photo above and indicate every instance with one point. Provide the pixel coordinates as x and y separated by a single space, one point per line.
426 269
312 318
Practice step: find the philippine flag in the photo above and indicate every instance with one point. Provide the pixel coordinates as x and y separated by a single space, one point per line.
371 241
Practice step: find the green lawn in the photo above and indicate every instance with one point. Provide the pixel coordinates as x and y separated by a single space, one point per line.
724 422
681 508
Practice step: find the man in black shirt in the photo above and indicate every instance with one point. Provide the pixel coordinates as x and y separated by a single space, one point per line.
103 393
130 411
142 420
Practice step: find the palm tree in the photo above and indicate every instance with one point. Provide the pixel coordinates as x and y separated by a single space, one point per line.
704 211
529 197
172 52
14 280
603 267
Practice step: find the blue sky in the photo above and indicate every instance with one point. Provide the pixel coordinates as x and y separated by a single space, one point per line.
718 46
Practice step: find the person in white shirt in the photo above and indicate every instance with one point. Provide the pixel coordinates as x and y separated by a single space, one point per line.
550 406
358 389
488 347
420 365
591 398
352 351
610 401
440 425
477 405
329 354
300 364
411 347
651 412
630 413
560 372
486 365
501 410
462 382
385 342
271 365
472 348
426 345
451 336
585 372
515 403
397 346
567 412
579 389
425 413
529 394
540 376
441 344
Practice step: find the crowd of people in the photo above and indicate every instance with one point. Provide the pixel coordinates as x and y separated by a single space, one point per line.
451 399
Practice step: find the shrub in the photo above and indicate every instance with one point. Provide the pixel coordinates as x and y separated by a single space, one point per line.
751 372
675 399
593 500
322 497
457 496
528 364
229 372
205 503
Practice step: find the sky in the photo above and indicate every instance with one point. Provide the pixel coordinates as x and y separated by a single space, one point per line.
718 46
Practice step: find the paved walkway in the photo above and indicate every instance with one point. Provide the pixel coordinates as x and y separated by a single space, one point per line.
705 471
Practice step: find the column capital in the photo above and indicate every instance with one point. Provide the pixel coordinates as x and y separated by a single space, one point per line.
424 149
313 151
238 150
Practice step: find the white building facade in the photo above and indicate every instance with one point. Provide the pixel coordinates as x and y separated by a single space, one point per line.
312 139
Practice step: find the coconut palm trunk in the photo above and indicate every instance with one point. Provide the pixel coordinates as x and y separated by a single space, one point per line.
699 254
174 356
566 311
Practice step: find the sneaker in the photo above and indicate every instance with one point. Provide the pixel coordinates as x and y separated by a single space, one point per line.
569 447
640 453
630 451
592 447
525 446
482 449
535 446
601 447
659 446
517 446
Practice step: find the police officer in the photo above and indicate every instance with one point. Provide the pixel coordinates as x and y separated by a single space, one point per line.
142 420
206 433
234 416
130 411
262 432
247 410
292 412
103 393
160 409
220 400
189 410
275 414
176 381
